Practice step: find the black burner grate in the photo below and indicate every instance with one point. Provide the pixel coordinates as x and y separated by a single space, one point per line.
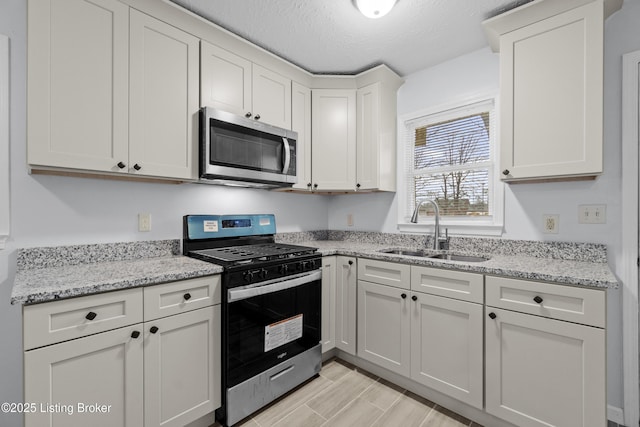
246 253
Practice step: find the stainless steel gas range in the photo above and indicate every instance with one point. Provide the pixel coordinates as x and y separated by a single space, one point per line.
271 305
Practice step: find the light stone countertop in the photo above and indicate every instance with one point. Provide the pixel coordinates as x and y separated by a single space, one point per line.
568 272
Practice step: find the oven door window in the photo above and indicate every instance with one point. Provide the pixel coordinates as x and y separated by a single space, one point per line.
250 350
235 146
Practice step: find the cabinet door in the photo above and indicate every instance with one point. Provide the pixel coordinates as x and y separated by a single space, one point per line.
384 326
164 99
447 346
271 99
367 136
328 303
334 139
182 367
225 80
544 372
301 123
78 84
551 95
346 294
104 369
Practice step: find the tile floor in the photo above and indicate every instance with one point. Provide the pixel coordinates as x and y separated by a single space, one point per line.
344 395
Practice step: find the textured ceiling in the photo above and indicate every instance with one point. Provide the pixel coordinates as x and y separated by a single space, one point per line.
331 36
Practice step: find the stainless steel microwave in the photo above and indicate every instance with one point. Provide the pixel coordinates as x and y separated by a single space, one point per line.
236 150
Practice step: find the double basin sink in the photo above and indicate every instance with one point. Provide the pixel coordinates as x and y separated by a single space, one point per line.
429 254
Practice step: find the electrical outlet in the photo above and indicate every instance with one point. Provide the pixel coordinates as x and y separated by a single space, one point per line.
350 220
550 223
592 214
144 222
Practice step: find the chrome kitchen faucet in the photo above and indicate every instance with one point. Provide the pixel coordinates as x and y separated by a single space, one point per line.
438 242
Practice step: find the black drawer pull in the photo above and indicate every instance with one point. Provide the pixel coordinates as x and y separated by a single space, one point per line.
492 315
538 299
415 298
91 315
350 262
135 334
153 329
403 296
187 296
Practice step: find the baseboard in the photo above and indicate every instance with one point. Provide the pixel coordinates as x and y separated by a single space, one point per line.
615 414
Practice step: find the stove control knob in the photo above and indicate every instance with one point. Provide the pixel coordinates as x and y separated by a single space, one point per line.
263 273
300 266
284 268
248 276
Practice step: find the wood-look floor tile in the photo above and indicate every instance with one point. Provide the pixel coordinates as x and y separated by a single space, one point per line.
302 416
281 408
441 417
382 394
335 369
339 394
359 413
409 411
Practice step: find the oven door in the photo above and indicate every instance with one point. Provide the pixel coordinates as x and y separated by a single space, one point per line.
271 322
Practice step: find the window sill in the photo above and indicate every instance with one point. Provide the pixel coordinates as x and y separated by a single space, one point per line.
459 228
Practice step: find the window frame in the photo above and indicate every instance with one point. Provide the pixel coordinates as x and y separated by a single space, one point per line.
4 140
491 225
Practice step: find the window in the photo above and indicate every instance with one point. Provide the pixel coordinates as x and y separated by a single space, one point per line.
450 158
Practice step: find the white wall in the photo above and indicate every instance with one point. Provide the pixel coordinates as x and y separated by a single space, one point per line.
49 210
478 72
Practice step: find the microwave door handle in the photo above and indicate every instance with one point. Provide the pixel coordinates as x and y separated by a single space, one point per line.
287 155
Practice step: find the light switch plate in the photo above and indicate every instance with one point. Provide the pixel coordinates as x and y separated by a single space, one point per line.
592 214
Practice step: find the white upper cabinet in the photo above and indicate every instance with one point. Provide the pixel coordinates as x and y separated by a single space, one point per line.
110 89
333 139
163 99
235 84
78 84
301 124
551 88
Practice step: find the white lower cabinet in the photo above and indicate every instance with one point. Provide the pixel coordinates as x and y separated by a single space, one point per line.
346 274
328 333
164 371
447 347
384 326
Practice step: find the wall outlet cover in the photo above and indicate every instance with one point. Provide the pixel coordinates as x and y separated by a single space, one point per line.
550 223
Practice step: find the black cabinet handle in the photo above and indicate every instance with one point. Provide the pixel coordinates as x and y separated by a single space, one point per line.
248 114
315 185
350 262
403 296
153 329
187 296
492 315
135 334
505 172
121 165
415 298
357 185
257 117
91 315
538 299
137 167
309 185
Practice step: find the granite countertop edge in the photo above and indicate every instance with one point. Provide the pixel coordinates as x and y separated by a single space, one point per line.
566 272
54 283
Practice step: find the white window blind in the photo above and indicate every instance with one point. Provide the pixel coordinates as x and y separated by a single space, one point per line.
450 158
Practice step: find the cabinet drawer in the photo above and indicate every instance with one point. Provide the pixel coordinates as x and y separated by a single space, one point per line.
178 297
446 283
57 321
384 273
579 305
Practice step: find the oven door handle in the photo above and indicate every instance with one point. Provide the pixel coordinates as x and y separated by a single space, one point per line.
287 154
239 294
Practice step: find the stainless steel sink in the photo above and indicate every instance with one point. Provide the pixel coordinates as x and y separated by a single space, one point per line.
429 254
408 252
457 257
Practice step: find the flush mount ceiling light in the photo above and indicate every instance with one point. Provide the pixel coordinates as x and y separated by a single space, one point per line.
375 8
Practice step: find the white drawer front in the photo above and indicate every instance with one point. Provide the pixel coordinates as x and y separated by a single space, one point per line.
573 304
177 297
56 321
384 273
453 284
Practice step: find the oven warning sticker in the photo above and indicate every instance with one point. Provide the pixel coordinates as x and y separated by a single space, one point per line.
210 226
282 332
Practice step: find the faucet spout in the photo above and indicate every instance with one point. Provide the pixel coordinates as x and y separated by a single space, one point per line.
437 241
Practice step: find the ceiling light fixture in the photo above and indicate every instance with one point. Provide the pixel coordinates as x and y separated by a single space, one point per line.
375 8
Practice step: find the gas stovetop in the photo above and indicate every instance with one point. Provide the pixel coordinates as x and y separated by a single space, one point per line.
252 253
